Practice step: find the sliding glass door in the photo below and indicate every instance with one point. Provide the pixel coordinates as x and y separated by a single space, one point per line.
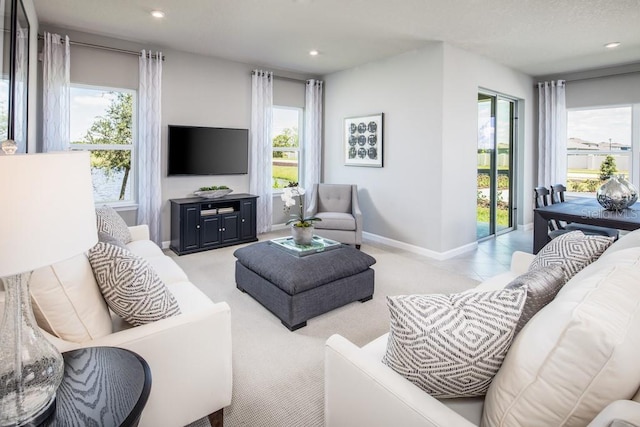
496 141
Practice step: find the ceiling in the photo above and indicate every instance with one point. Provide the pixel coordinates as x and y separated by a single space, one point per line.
537 37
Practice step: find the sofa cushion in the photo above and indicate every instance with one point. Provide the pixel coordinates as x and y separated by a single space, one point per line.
335 221
109 222
577 355
67 302
130 286
452 345
542 285
573 251
629 240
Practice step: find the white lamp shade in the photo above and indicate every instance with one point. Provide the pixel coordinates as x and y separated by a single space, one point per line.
47 213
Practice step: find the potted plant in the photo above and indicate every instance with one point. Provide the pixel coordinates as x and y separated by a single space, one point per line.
301 226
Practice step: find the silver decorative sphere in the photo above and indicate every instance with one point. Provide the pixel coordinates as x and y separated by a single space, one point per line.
616 194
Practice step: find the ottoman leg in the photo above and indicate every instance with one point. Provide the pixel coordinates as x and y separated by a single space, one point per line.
294 327
365 299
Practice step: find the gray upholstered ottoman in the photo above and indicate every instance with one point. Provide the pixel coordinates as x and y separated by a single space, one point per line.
296 289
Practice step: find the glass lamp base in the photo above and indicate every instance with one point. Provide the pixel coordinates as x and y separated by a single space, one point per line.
31 368
38 419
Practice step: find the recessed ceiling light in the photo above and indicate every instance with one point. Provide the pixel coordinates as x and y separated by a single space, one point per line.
612 45
157 14
313 52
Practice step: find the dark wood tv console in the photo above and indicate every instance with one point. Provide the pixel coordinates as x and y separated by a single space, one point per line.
199 224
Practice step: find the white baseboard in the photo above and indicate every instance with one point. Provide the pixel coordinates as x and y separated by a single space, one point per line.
440 256
526 227
166 244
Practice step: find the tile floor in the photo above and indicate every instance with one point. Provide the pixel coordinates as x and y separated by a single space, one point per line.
493 256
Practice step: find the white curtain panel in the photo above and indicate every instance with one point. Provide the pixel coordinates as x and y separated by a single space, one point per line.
149 143
260 177
55 93
21 80
552 133
312 134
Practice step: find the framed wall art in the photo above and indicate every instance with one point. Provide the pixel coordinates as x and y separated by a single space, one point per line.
363 141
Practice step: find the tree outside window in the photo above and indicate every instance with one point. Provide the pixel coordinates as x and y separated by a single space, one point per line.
102 123
286 146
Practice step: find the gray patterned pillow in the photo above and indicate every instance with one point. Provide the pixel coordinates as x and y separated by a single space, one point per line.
452 345
130 286
108 238
108 221
542 285
573 251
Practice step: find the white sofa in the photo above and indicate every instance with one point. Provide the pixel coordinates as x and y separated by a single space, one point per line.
189 354
600 304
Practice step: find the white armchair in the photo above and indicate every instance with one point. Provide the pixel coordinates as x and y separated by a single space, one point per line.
338 208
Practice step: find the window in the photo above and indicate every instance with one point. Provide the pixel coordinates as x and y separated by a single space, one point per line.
102 123
286 145
599 144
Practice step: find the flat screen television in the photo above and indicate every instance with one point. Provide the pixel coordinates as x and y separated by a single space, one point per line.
195 150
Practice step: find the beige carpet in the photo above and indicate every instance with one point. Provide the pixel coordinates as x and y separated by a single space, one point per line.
278 374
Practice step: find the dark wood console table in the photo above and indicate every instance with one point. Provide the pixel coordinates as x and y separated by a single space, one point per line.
583 211
102 386
199 224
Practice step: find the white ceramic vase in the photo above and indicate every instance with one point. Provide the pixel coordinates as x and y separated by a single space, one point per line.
302 235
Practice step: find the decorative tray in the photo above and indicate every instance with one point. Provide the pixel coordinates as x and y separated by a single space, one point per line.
318 244
213 194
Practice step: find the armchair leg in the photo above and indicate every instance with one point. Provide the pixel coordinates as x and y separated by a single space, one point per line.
216 419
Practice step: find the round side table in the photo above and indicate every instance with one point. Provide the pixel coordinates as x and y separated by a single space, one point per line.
102 386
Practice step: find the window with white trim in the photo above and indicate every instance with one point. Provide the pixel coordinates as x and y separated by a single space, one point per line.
102 122
286 132
600 143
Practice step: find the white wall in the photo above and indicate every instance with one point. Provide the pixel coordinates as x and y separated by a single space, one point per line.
425 195
464 74
397 200
196 90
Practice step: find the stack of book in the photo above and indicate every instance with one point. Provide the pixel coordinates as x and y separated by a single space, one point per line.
225 210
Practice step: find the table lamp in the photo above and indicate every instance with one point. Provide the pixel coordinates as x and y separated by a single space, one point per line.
47 215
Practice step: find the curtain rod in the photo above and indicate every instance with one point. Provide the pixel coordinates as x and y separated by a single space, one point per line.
97 46
291 79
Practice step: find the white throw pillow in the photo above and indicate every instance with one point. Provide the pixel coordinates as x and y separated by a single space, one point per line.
109 222
130 286
573 251
577 355
452 345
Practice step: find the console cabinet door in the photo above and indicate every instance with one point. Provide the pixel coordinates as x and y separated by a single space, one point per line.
210 230
248 219
190 227
230 227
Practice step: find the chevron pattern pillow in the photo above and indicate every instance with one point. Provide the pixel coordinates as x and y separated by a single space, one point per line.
542 284
130 286
452 345
109 222
573 251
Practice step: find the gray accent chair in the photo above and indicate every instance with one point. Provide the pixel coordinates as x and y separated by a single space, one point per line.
337 206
